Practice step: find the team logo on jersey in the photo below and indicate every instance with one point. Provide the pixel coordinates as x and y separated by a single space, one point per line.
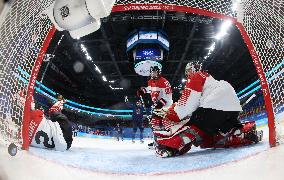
64 11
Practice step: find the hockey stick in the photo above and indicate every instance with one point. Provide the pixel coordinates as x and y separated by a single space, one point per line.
142 100
248 100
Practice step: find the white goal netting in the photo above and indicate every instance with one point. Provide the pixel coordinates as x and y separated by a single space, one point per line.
25 28
264 24
22 34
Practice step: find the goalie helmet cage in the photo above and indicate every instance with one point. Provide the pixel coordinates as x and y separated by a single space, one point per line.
26 33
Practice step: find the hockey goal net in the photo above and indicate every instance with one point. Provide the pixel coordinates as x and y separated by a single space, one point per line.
23 32
26 32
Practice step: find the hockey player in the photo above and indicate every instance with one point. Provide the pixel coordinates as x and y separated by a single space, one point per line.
206 115
56 115
137 118
56 108
45 133
160 91
119 132
55 133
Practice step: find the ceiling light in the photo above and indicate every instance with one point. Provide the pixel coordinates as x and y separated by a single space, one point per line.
83 48
226 24
89 57
104 78
115 88
212 47
224 28
98 69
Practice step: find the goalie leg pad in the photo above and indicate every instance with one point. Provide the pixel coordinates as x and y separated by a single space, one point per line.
178 141
247 135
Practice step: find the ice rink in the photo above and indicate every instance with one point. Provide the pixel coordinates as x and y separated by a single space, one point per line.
99 55
110 159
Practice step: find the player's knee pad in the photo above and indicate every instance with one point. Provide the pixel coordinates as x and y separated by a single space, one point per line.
173 142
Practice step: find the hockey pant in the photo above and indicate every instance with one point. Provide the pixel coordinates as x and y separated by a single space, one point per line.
137 124
65 126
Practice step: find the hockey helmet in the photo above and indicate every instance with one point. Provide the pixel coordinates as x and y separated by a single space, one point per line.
193 67
155 69
59 97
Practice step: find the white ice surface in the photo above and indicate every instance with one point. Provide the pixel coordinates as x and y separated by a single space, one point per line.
109 159
112 156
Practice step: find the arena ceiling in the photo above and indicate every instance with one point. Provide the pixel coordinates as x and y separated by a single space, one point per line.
73 66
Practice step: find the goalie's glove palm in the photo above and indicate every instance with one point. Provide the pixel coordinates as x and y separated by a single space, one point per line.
160 112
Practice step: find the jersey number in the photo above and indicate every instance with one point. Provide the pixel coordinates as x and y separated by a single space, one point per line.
45 141
168 89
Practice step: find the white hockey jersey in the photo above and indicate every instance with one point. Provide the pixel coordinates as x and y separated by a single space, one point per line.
202 90
48 134
160 90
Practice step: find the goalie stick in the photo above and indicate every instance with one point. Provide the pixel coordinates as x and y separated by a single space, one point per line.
248 100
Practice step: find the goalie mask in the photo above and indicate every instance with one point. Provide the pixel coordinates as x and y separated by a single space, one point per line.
155 72
192 68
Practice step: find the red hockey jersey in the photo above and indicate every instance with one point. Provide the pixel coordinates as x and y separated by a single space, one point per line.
160 90
57 107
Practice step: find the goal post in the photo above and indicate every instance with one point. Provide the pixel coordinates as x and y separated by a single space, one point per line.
27 129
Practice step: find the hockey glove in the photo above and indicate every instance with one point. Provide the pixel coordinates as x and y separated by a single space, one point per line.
141 92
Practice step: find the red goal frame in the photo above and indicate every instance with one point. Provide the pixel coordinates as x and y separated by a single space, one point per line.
163 7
